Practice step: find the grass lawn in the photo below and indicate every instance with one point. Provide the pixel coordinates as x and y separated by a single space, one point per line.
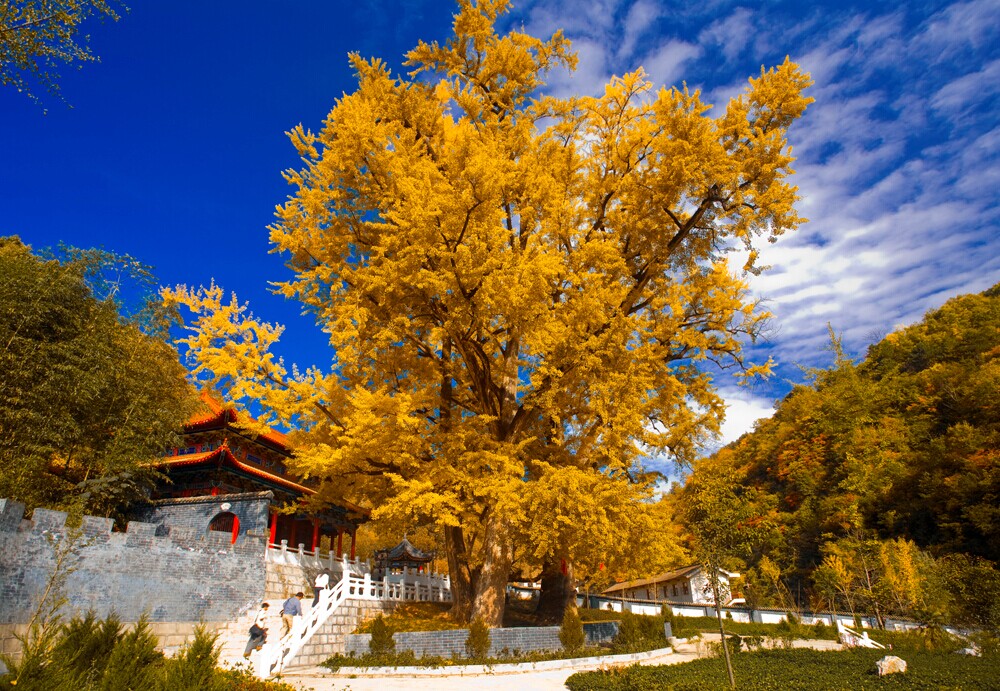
801 670
416 616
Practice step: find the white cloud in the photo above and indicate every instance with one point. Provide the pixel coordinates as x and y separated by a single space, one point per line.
664 64
897 158
732 33
637 23
968 90
743 409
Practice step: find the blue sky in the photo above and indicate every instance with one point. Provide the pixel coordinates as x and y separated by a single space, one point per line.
175 143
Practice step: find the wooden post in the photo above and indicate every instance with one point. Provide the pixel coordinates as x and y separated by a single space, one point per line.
274 528
315 543
354 542
340 542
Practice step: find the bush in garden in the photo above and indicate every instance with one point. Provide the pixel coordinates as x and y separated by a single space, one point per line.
134 662
629 637
86 644
571 633
88 654
477 645
382 642
194 668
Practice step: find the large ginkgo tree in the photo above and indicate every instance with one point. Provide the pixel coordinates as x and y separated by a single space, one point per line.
520 293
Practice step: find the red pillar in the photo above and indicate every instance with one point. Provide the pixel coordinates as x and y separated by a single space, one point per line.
340 543
315 523
354 542
274 528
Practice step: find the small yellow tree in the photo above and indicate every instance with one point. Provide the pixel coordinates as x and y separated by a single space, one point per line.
518 291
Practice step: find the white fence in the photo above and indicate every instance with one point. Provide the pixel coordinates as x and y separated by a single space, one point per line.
318 561
742 614
409 585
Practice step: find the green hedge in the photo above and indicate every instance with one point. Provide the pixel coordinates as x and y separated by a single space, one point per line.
800 669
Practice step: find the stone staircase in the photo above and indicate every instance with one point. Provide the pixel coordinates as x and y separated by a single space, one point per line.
351 598
233 636
328 640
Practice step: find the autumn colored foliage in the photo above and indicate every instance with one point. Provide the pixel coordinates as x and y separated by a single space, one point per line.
883 476
521 294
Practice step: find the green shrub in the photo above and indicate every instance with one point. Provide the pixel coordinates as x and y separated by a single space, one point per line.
629 637
651 630
821 630
927 639
86 644
477 645
88 654
667 614
194 668
37 668
571 633
382 642
134 662
242 679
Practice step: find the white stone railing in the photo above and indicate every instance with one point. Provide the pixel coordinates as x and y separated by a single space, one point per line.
855 639
408 586
274 657
282 554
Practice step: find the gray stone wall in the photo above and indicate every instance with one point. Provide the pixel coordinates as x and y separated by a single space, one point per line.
171 573
505 641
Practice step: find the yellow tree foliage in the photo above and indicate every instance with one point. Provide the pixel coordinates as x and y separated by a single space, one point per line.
518 291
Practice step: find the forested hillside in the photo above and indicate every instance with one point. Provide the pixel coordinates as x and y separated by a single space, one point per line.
881 479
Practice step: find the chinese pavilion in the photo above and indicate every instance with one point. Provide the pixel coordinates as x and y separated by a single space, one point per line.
220 456
392 561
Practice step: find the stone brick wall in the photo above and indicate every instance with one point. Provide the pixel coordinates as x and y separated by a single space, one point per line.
195 513
505 641
174 574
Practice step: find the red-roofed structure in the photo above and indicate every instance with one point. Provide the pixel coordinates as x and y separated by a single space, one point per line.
221 456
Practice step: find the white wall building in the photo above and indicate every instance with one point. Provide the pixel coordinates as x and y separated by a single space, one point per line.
689 584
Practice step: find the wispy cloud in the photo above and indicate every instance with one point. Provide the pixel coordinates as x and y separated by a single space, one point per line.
897 164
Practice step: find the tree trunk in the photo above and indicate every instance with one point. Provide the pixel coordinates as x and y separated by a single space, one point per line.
454 538
491 584
714 578
557 590
458 571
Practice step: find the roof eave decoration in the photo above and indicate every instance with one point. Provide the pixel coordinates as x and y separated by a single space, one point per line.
226 457
219 415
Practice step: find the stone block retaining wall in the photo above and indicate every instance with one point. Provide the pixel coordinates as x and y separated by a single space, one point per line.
176 575
503 641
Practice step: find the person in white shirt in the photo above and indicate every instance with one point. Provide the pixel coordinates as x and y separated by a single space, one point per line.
322 583
258 631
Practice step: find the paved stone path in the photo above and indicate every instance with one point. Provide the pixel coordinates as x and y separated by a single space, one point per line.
429 679
321 679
